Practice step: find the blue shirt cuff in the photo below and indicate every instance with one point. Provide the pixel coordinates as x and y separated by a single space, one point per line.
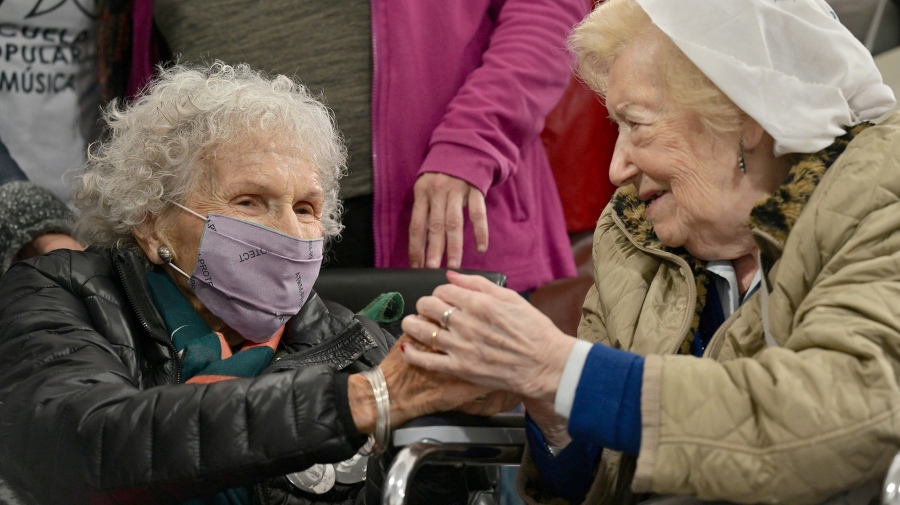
607 407
570 473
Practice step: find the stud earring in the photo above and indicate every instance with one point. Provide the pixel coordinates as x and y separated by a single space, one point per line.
165 254
741 163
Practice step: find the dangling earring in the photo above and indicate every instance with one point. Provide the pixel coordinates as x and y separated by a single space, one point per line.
741 164
165 254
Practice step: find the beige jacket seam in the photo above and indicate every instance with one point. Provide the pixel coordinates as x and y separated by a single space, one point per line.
651 420
782 447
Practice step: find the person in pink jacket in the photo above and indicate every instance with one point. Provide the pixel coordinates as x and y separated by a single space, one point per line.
463 129
459 93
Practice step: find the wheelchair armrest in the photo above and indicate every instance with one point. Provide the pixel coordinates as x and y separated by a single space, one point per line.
354 288
454 439
459 428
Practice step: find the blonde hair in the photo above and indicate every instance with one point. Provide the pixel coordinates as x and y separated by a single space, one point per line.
154 146
612 26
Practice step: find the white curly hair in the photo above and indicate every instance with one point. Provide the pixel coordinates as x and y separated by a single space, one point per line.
153 147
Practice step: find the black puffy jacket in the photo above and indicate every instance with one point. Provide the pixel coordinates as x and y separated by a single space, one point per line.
89 413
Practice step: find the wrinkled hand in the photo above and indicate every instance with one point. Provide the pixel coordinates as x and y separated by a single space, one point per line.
498 401
414 392
49 242
417 392
495 338
437 220
552 425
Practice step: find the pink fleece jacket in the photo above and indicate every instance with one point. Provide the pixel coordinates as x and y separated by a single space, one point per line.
462 88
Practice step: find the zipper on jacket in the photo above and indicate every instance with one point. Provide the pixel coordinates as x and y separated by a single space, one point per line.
688 275
140 316
376 92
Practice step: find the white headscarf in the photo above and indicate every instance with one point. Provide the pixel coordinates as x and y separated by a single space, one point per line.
789 64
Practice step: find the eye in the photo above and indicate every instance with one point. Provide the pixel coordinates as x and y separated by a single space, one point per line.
248 203
304 209
631 126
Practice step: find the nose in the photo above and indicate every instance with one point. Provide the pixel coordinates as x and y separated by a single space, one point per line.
286 222
622 168
289 223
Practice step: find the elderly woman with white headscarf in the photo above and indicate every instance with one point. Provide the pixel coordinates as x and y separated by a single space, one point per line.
742 339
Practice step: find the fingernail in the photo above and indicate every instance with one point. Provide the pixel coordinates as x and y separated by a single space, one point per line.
403 347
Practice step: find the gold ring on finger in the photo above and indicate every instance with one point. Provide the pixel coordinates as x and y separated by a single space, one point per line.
445 317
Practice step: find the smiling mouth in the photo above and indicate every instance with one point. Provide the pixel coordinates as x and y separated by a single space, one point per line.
648 199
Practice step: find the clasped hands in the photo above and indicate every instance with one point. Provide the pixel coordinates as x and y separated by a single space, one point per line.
479 332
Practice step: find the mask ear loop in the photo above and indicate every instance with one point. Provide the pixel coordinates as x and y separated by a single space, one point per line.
182 272
165 254
186 209
169 260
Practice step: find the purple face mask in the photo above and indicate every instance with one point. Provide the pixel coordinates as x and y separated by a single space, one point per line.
251 277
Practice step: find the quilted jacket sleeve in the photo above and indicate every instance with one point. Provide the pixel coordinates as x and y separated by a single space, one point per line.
75 422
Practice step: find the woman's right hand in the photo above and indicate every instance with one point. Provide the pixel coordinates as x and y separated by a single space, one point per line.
416 392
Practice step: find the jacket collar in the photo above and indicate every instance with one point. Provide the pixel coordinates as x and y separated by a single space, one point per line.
771 220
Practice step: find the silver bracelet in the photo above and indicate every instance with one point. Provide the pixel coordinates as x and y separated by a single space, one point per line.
382 434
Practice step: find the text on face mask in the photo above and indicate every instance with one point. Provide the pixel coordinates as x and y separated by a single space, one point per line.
253 253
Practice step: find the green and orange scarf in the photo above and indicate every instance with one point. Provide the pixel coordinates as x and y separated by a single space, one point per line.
205 355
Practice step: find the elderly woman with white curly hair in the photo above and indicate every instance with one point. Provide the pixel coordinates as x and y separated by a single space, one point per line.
184 355
741 341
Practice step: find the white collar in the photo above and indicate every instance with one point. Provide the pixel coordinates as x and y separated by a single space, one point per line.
727 285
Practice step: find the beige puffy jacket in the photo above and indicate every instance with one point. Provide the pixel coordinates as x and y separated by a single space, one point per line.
815 413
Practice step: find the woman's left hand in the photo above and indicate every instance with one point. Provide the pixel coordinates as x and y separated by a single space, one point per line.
494 337
552 425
